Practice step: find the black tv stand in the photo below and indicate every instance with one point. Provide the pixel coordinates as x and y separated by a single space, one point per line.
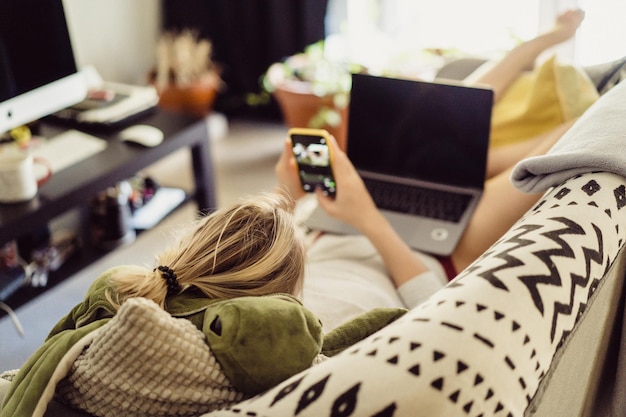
73 187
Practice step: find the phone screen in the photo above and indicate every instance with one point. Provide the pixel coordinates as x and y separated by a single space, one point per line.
313 159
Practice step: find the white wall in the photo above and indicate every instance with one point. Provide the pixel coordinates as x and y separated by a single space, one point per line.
117 37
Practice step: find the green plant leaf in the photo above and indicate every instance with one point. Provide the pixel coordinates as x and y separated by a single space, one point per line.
326 116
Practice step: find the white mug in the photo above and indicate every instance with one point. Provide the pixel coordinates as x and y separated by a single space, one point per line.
18 179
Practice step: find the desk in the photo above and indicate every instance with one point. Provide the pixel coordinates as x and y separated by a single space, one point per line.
73 187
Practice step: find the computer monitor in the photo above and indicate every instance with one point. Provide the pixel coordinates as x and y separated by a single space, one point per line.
38 74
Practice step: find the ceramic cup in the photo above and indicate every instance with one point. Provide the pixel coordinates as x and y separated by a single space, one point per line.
18 178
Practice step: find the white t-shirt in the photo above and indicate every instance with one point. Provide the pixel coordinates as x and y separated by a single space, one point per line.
345 276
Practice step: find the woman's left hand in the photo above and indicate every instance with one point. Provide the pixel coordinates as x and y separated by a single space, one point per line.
352 203
286 171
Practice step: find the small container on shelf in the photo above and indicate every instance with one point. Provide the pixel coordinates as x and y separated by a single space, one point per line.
111 218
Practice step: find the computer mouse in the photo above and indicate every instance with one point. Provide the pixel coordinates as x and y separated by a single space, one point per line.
145 135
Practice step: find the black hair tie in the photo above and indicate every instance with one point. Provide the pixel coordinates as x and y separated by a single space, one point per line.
170 278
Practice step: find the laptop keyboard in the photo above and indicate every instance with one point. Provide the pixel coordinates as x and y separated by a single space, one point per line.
416 200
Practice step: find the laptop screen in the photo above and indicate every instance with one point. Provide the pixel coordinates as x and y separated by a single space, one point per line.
423 130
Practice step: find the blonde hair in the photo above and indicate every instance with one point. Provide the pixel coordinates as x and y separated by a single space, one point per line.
251 248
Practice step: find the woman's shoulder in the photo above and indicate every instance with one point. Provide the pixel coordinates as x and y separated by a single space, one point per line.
104 280
95 304
97 298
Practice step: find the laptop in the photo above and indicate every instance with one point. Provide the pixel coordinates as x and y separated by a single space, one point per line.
421 149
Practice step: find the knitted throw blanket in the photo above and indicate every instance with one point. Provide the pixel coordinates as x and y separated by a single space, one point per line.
144 362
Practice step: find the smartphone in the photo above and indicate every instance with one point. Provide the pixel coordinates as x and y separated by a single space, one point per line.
314 159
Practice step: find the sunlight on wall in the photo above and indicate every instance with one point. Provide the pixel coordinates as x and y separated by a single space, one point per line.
601 36
386 32
477 26
395 33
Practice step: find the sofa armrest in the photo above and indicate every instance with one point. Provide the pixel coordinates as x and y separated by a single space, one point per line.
491 341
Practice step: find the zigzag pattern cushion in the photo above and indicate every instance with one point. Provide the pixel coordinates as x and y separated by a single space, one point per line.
483 345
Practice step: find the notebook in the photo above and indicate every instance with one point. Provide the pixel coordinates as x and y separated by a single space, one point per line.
421 148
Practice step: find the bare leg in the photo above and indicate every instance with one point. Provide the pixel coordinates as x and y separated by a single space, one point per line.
499 75
501 205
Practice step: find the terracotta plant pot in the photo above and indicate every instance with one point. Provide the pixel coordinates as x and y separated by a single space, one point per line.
196 99
299 108
299 105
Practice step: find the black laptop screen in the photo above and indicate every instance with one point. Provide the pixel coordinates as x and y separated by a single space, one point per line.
423 130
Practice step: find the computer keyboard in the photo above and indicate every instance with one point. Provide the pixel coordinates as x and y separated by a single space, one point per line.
68 148
410 199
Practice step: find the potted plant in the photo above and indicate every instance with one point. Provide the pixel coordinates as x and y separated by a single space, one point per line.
186 77
312 91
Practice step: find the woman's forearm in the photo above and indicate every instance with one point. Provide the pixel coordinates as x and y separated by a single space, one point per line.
400 261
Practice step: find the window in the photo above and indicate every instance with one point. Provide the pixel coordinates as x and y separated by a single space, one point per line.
468 26
388 32
601 36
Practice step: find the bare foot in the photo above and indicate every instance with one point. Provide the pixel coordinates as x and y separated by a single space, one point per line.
566 25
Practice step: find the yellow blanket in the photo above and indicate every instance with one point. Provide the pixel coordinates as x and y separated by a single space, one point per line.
541 100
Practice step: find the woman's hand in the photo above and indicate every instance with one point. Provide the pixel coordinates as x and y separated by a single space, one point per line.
352 203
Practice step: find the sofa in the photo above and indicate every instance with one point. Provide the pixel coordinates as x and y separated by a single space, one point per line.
531 328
